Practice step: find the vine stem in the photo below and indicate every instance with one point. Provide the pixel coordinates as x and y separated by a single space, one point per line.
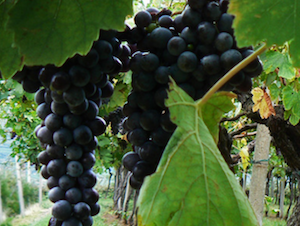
231 73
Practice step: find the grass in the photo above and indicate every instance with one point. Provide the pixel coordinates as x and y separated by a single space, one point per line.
268 221
39 215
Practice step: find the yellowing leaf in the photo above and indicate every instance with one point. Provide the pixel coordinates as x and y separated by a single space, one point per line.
262 102
245 157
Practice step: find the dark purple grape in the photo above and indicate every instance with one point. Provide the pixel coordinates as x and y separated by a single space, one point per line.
197 4
230 58
53 122
134 183
82 135
56 167
89 60
97 126
45 173
213 11
59 108
39 96
72 221
107 90
73 152
160 36
73 195
63 137
88 160
79 76
55 151
176 45
104 49
45 135
43 110
137 136
95 209
142 19
149 120
82 210
72 121
130 159
160 137
187 61
52 182
150 152
88 179
74 96
74 169
55 194
44 158
206 32
62 210
60 82
165 21
211 64
161 75
66 182
223 42
191 17
90 196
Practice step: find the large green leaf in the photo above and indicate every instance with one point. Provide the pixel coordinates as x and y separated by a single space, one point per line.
273 21
192 185
10 59
50 31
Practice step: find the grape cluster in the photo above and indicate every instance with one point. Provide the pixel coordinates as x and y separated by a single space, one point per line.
196 48
29 78
115 118
68 99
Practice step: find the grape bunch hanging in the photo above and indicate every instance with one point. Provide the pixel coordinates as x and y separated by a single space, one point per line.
68 99
195 48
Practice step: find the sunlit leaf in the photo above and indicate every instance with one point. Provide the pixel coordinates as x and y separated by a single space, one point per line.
262 102
193 185
272 21
50 31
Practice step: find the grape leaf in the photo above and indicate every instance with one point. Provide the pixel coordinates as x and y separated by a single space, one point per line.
274 60
204 191
215 105
291 102
50 31
11 61
274 22
274 91
119 96
262 102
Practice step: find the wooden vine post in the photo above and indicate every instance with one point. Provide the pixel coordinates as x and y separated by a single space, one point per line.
260 170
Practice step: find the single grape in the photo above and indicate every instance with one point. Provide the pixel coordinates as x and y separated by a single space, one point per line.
74 169
187 61
191 17
142 19
73 195
62 210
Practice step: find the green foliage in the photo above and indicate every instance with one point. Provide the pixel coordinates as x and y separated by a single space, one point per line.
11 61
110 150
274 22
193 185
9 192
18 113
49 32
